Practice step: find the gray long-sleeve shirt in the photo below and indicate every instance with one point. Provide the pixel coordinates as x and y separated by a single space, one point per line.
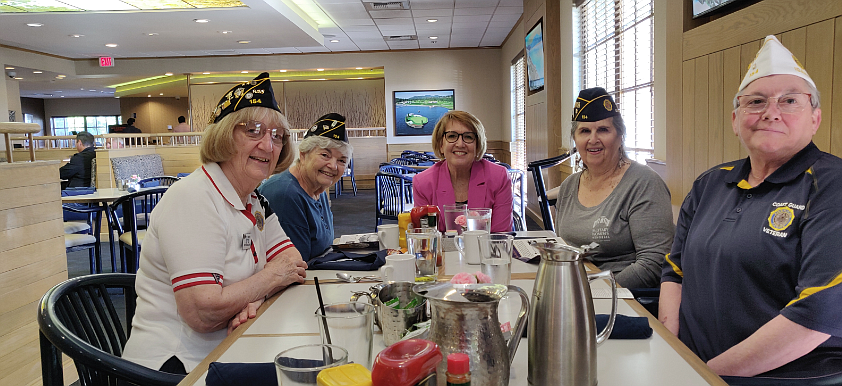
633 225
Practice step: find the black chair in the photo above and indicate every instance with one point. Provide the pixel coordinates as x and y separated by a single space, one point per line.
403 161
349 172
137 208
86 237
518 199
158 181
402 170
79 318
536 167
392 197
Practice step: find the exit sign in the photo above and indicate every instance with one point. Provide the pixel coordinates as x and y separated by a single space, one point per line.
106 61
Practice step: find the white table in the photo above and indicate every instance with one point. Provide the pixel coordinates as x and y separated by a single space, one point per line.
287 320
104 195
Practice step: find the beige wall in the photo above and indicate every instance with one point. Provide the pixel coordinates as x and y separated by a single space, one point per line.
153 114
714 57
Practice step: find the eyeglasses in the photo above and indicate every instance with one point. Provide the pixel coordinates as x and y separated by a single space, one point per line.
467 137
788 103
256 131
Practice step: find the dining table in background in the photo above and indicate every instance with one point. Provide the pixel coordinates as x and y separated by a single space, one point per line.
287 320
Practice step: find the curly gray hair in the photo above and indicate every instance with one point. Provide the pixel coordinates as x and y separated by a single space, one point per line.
316 142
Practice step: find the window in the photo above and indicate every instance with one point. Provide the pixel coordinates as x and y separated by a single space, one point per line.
518 144
616 52
93 124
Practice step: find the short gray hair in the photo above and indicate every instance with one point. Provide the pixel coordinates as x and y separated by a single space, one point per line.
86 138
318 142
619 125
815 98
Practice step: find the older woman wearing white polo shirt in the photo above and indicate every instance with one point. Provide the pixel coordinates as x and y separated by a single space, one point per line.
214 249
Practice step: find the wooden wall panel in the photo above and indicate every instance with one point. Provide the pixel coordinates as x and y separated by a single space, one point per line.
687 127
748 52
818 61
731 77
715 112
700 113
795 41
836 103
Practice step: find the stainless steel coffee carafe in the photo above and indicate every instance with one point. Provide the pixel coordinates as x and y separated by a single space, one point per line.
562 328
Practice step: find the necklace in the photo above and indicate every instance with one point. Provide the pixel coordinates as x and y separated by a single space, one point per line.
612 180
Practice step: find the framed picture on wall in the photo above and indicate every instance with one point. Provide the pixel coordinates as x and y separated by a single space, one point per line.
417 112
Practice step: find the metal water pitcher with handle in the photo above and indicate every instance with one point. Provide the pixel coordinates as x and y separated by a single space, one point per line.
464 320
562 330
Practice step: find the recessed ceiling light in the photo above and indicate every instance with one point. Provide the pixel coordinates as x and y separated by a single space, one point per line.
34 24
334 41
10 68
112 45
432 20
63 96
320 79
284 80
152 34
18 78
161 94
434 37
244 41
283 70
320 69
201 20
114 97
359 68
168 74
244 72
205 73
58 91
92 90
37 72
149 96
76 35
225 32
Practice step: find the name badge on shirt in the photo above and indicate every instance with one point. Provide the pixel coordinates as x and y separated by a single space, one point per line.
246 241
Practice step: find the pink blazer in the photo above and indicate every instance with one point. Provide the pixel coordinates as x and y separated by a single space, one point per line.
489 187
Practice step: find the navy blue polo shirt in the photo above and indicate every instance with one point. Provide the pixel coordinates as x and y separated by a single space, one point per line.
744 255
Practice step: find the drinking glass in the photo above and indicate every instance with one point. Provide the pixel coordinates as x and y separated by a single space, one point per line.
479 219
451 213
350 326
301 365
423 243
496 257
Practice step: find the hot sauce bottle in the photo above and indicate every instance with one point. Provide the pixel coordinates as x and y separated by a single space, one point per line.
458 369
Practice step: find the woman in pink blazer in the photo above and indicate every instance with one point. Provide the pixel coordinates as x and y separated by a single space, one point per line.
463 176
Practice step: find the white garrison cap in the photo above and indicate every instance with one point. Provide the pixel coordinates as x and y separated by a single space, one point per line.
774 59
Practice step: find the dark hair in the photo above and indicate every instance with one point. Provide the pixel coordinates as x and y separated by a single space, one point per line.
130 121
181 119
86 138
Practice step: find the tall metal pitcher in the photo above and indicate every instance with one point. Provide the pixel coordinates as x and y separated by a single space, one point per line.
464 319
562 331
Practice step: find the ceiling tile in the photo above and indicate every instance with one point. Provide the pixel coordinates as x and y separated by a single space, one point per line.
370 45
397 30
359 29
469 27
284 50
505 17
503 24
474 11
388 14
472 19
253 51
427 13
434 31
313 49
403 45
475 3
510 3
390 22
421 22
355 36
431 4
508 11
354 22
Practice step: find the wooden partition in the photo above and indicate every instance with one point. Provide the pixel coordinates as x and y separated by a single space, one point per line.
32 260
715 56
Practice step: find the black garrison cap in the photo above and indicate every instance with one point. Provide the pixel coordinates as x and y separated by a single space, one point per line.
256 93
594 104
331 125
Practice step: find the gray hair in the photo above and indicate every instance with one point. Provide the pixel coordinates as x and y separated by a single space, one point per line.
619 125
86 138
318 142
815 98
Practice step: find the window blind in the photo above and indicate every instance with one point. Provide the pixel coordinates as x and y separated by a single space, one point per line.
518 144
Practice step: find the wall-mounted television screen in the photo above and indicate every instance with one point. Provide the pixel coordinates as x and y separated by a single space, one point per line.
418 111
534 44
705 7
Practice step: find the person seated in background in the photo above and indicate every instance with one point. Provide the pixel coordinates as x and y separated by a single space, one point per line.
130 127
753 284
463 177
215 250
620 204
182 126
77 172
299 195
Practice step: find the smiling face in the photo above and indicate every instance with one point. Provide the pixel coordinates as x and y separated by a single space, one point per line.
598 143
459 154
771 134
254 161
322 168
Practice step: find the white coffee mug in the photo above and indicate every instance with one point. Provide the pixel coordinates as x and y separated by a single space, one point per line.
389 236
400 267
468 245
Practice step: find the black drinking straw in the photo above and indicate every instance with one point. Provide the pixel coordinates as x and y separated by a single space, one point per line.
324 318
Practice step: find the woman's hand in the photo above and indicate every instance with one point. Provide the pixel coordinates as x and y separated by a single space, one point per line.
287 268
247 313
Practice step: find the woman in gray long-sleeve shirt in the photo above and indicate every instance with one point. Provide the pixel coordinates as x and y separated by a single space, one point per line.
621 205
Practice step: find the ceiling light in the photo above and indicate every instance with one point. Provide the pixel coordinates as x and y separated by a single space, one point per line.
244 72
34 24
112 45
63 96
201 20
432 20
76 35
320 69
283 70
152 34
284 80
168 74
205 73
92 90
434 37
18 78
161 94
149 96
244 41
58 91
359 68
334 41
37 72
114 97
10 68
225 32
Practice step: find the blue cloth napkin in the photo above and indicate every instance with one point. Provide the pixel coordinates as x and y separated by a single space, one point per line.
349 261
625 327
259 374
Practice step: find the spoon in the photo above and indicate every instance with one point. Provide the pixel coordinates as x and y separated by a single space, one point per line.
346 277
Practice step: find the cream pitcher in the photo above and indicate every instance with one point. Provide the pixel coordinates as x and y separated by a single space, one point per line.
464 319
562 331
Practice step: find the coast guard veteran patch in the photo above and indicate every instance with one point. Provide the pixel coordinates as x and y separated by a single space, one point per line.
781 218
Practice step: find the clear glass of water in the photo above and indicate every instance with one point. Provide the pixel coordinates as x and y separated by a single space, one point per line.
496 257
479 219
424 244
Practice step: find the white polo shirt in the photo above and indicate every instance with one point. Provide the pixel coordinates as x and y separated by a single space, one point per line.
200 233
